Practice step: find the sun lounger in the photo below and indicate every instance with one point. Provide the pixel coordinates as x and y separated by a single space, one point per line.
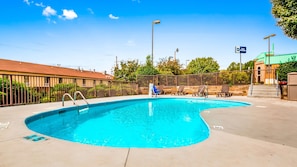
174 90
180 90
202 91
224 91
160 88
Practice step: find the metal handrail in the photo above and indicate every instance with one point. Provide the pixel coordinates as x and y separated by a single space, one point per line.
69 97
251 87
78 92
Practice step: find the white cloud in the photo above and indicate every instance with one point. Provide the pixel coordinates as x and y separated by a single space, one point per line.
138 1
48 11
51 21
40 5
91 10
69 14
28 2
113 17
131 43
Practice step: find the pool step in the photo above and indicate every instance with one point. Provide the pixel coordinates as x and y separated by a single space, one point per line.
83 111
268 91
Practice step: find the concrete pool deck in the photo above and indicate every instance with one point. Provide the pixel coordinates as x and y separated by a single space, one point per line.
263 134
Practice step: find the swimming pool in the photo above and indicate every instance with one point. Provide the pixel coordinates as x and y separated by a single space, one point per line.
138 123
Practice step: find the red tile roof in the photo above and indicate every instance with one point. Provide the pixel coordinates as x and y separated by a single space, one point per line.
31 68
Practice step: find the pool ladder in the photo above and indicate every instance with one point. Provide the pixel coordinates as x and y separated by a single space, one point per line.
74 99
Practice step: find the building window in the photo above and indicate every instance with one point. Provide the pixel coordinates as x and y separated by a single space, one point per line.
259 70
84 82
94 82
60 80
46 81
259 75
26 80
74 81
101 81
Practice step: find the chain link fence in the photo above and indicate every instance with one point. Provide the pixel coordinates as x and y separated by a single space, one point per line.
29 89
218 78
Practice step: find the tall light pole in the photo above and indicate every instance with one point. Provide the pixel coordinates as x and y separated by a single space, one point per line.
175 54
153 23
187 63
269 54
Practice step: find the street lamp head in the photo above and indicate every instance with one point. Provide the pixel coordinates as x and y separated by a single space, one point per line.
156 22
177 50
272 35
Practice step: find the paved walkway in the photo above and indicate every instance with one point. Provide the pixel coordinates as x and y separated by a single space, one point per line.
263 134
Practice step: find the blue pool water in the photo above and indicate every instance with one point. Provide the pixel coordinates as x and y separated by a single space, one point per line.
140 123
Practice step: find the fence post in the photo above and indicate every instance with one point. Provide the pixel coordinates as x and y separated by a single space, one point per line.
252 77
250 93
233 78
166 80
109 85
49 90
121 86
10 90
217 74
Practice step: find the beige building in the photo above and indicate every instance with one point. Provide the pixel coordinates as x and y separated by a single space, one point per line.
29 83
38 75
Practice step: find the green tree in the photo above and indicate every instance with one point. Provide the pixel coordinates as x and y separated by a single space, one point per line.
226 76
285 11
233 66
126 71
285 68
168 66
203 65
148 68
236 66
240 77
248 65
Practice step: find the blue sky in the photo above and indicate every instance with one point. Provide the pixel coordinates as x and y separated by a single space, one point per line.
91 33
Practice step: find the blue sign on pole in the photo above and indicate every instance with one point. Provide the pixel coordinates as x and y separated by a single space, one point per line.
242 49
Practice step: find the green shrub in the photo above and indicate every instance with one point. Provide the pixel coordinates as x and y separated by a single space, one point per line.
285 68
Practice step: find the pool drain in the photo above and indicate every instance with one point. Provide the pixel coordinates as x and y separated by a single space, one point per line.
35 138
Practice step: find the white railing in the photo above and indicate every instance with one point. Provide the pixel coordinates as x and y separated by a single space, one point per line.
67 94
80 111
78 92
